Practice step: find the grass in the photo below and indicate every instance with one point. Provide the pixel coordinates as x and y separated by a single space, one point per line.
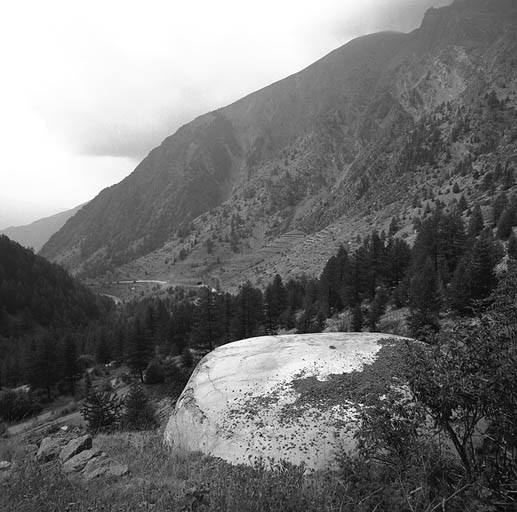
165 480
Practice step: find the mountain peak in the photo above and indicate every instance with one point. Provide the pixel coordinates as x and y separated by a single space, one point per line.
348 135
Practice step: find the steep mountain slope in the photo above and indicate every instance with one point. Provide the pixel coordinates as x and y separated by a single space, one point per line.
35 293
357 135
37 233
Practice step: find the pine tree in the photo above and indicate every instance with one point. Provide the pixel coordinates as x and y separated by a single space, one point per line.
476 222
377 308
506 223
512 246
70 366
101 411
394 226
424 300
248 317
103 352
140 350
357 318
139 413
498 206
42 364
508 178
275 303
486 253
460 291
206 329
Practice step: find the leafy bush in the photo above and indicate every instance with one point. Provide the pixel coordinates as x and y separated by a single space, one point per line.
17 405
102 410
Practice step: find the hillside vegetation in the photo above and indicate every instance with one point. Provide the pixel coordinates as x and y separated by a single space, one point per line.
376 128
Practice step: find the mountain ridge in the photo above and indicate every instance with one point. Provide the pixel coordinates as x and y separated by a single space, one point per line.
300 153
37 233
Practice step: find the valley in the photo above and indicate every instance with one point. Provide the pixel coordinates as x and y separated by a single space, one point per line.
302 301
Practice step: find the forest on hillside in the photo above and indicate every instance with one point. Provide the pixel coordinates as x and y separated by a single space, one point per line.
454 288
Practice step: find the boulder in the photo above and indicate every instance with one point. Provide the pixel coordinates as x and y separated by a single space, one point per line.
5 470
5 465
105 467
74 447
49 449
288 397
79 461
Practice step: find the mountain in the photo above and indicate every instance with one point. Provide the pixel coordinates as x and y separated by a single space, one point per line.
274 182
37 233
36 294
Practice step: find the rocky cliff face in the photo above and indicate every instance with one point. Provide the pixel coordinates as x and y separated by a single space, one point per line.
363 130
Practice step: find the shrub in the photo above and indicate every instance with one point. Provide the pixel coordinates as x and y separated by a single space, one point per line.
17 405
154 374
102 411
187 357
139 413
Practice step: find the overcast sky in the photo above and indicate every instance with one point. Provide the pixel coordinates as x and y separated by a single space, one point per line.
87 89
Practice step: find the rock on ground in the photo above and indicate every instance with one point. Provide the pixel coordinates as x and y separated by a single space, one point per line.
5 465
49 449
105 467
79 461
74 447
277 397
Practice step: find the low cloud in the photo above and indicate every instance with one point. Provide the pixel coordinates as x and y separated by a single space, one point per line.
114 79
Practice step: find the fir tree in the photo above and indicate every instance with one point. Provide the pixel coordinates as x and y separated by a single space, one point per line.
275 302
249 309
506 223
70 364
424 300
512 246
206 329
394 226
357 318
377 308
101 411
476 222
498 206
140 350
139 413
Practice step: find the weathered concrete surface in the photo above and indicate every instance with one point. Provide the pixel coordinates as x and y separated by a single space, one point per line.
243 400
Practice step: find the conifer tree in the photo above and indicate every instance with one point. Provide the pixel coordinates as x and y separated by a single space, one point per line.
394 226
206 328
476 222
70 365
498 206
357 318
42 364
139 413
506 223
424 300
462 203
103 352
275 302
377 308
248 312
512 246
140 350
